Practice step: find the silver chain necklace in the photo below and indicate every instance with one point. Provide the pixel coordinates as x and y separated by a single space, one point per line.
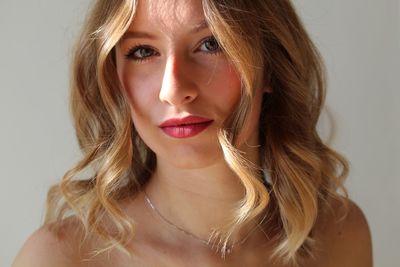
228 249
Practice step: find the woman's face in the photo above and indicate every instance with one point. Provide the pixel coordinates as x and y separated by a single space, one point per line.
180 85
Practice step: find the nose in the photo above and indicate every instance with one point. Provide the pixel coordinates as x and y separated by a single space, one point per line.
178 87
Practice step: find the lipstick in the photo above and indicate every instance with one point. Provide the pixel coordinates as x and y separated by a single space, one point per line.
185 127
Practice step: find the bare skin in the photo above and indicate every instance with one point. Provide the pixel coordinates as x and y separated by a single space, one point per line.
171 66
344 244
174 70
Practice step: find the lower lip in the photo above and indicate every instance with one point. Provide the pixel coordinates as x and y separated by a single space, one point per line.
185 131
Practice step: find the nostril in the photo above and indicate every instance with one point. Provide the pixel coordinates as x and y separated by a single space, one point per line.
188 98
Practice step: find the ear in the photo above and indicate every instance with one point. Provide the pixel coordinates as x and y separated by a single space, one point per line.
267 89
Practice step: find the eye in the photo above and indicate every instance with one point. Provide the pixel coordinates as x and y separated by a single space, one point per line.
140 53
210 45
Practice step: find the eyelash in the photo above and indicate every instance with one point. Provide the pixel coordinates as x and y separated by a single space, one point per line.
131 53
133 50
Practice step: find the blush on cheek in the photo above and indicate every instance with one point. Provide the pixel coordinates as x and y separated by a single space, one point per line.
142 94
229 86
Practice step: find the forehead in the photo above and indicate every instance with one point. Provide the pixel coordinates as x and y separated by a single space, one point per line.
168 15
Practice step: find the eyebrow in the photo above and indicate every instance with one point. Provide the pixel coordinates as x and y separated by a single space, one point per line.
139 34
200 26
136 34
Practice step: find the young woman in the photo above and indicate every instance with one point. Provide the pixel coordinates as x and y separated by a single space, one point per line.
197 121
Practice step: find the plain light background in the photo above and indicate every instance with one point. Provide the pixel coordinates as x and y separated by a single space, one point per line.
359 40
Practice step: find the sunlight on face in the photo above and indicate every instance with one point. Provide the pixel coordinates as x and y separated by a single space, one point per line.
172 67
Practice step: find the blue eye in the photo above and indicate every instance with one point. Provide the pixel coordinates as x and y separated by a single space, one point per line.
210 45
140 52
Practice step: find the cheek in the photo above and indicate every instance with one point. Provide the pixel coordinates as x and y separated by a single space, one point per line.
226 87
141 92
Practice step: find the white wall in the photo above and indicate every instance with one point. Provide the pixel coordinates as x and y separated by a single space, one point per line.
37 142
359 39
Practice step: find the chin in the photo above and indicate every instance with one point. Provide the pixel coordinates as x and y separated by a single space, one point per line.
192 159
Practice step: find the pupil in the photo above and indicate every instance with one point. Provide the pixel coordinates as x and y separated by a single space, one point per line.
144 52
211 45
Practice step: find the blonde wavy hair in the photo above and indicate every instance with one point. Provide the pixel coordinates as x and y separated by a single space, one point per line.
268 45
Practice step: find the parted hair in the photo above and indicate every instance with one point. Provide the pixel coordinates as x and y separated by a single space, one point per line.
268 45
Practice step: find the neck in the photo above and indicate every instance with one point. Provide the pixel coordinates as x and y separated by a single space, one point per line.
197 200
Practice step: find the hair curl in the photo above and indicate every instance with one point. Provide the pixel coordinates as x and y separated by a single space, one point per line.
268 45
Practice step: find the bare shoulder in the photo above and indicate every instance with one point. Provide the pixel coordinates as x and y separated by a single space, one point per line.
46 248
345 240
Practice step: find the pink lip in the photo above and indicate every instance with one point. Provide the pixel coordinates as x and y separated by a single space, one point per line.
185 127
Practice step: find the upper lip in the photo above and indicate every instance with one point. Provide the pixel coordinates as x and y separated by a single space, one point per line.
184 121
